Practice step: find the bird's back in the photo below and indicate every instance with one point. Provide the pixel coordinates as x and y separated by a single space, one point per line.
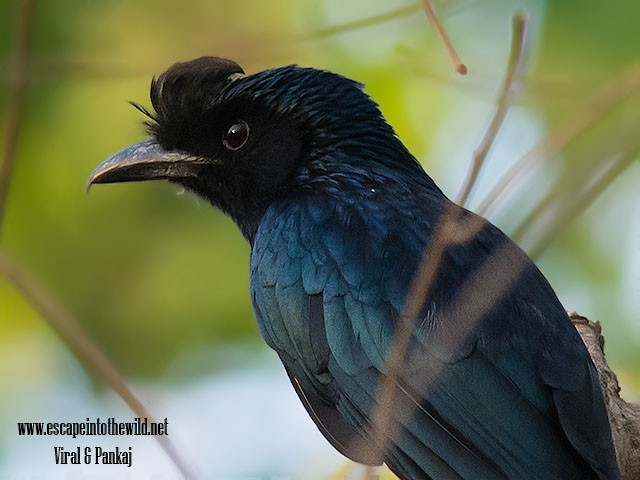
496 382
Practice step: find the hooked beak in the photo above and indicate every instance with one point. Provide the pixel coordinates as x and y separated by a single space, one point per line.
146 161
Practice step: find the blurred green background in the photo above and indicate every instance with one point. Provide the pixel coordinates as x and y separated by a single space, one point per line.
160 280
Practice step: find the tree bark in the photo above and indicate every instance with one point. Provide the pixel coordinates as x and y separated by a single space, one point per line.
623 416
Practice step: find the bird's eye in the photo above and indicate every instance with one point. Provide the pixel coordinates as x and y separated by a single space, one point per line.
236 135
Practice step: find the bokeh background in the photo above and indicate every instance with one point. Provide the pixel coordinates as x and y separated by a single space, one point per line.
159 279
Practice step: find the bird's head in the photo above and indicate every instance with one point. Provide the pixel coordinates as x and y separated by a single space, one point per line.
245 141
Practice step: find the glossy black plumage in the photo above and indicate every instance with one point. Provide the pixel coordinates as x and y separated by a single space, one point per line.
496 382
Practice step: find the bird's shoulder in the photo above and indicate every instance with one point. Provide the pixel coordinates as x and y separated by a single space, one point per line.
346 231
358 241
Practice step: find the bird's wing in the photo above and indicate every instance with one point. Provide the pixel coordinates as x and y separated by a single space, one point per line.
488 399
304 355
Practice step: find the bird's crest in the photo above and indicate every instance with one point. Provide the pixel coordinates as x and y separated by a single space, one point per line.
185 90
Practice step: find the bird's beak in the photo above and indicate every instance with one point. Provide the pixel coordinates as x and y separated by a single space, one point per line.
146 161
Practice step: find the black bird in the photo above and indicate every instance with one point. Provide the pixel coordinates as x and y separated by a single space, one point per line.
495 381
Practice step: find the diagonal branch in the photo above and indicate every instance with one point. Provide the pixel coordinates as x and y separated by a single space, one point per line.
544 228
449 230
460 67
92 358
17 92
604 100
363 22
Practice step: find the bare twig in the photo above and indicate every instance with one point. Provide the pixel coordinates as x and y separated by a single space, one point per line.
450 230
363 22
460 67
605 99
573 202
89 354
514 68
421 283
17 91
377 20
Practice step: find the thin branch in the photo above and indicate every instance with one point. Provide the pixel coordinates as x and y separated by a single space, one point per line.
514 68
605 99
577 201
363 22
421 284
89 354
460 67
17 92
450 230
377 19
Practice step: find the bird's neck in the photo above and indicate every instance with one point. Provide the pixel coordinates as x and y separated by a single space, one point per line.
246 213
343 171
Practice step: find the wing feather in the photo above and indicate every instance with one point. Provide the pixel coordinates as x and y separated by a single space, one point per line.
493 399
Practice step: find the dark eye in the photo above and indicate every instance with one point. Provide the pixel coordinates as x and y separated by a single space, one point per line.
236 135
